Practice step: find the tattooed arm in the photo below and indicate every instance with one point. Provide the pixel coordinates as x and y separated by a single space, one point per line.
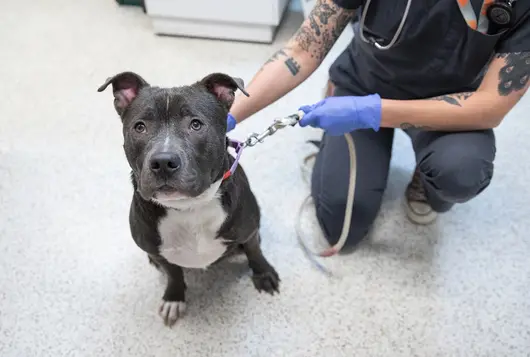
505 82
296 61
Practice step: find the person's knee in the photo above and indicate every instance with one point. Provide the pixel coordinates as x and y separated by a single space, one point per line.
456 176
331 214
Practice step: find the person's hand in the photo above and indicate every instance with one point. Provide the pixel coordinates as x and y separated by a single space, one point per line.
341 115
230 122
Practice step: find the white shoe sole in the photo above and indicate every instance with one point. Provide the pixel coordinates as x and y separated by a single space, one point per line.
421 218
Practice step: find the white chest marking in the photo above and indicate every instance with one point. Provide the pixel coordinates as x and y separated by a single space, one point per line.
189 236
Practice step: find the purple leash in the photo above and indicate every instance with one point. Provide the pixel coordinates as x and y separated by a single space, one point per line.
238 146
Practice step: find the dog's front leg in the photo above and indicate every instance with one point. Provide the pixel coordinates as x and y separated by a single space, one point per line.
264 275
173 303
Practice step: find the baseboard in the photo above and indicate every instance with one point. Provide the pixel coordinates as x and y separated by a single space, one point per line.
213 30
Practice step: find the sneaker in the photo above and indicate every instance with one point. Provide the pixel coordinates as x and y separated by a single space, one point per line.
417 208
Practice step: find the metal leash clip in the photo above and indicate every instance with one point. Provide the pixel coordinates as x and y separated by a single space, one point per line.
278 124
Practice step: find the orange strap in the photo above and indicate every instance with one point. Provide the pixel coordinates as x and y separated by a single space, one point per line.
469 15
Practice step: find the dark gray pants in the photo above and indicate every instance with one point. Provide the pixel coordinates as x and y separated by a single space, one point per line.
455 167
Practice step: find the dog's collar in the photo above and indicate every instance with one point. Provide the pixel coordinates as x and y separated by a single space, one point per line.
238 146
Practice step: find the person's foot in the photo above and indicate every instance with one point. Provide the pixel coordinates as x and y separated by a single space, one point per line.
418 210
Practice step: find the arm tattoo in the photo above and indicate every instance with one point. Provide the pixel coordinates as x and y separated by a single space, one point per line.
453 99
326 23
276 55
289 61
407 126
292 65
513 76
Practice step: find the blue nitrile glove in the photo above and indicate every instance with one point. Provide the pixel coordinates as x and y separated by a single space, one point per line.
230 122
340 115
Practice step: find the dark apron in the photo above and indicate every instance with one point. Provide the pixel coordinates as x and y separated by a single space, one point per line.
436 53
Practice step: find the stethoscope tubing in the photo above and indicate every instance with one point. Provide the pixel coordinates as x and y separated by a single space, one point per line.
396 35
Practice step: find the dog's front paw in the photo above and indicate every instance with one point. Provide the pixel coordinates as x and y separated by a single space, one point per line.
268 281
171 311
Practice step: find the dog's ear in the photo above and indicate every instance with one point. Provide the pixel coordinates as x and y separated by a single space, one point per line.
223 87
125 87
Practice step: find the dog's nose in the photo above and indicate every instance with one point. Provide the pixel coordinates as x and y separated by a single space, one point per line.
165 162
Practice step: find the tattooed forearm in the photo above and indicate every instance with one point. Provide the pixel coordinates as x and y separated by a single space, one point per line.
454 99
513 76
407 126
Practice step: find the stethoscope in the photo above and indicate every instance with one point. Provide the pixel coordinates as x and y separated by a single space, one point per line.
499 13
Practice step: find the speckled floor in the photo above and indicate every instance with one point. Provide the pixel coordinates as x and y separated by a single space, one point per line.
73 283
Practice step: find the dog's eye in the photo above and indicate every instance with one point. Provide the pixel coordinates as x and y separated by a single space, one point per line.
140 127
195 124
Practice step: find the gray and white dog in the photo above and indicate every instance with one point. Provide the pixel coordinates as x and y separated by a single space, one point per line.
184 212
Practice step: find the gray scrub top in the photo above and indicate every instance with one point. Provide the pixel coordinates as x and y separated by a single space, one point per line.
436 53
